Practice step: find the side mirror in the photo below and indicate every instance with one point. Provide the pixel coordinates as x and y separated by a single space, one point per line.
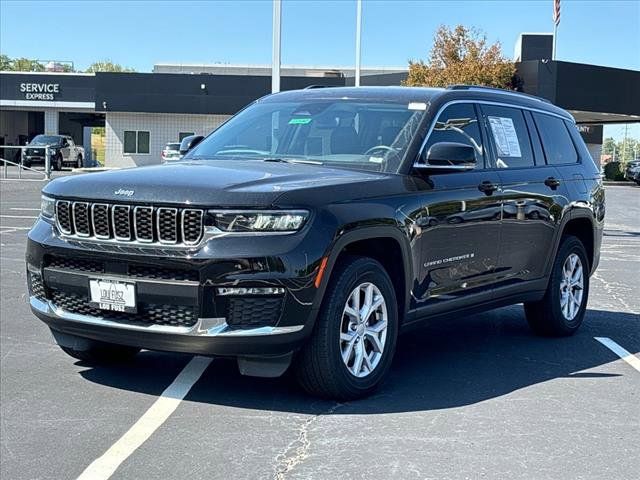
189 142
448 156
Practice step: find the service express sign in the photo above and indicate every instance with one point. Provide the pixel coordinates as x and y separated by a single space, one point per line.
40 91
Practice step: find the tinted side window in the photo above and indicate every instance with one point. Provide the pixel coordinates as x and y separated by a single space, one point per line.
510 136
458 123
556 142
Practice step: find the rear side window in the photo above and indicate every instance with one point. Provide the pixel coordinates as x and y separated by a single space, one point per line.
508 131
556 141
458 123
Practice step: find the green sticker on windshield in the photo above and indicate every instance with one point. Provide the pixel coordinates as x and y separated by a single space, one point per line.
300 121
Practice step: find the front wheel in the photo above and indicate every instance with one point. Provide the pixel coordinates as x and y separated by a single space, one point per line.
57 163
562 309
79 161
355 334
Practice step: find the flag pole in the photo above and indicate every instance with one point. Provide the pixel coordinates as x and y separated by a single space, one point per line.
555 35
358 35
275 66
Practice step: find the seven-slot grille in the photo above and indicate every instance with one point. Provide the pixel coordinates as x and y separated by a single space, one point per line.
127 223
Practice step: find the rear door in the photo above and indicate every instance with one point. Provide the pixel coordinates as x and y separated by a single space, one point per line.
533 194
66 149
460 218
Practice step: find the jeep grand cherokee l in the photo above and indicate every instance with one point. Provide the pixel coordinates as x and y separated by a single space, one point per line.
315 225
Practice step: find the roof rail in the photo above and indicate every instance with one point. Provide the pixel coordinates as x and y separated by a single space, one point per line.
496 90
311 87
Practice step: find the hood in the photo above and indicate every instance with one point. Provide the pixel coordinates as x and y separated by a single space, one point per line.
205 183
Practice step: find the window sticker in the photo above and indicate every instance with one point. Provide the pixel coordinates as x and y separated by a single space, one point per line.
417 106
300 121
505 136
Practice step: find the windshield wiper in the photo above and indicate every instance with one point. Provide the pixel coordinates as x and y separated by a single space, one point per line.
291 160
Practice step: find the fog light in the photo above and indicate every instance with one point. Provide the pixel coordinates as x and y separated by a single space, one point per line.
250 291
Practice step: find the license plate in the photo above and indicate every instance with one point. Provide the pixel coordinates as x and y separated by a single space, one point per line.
113 295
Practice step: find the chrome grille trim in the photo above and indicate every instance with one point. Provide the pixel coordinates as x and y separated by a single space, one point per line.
99 225
171 222
63 208
142 225
79 218
114 211
136 221
200 215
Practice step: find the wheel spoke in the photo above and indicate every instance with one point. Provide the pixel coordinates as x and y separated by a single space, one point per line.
346 352
375 341
577 275
357 362
353 313
367 362
377 327
347 336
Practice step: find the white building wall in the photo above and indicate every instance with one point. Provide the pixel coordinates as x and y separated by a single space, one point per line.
162 128
51 119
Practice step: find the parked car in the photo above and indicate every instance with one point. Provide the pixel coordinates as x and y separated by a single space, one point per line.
64 151
315 225
632 169
171 151
633 174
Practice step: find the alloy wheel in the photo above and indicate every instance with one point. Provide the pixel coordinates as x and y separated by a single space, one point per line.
363 330
571 286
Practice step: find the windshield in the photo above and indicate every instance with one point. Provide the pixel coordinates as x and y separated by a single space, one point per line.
45 140
347 133
172 146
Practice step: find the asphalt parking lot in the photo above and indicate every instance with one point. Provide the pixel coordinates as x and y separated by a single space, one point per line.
477 397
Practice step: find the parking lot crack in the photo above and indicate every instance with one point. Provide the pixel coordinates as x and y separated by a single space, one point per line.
298 449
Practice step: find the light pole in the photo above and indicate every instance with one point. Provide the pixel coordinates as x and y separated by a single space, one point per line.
358 35
275 59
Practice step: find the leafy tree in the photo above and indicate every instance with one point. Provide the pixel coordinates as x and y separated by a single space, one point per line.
463 56
26 65
623 152
107 66
5 63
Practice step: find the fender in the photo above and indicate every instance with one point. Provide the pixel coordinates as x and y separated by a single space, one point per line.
572 213
366 233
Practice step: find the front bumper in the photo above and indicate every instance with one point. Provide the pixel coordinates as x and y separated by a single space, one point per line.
211 326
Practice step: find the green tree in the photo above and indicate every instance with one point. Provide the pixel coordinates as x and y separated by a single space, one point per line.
5 63
463 56
26 65
107 66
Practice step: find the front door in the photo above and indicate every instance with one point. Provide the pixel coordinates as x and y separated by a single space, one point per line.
460 218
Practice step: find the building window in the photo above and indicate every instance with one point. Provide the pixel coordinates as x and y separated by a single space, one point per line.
182 135
136 141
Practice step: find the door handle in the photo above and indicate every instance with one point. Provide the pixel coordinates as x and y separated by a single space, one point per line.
552 182
487 187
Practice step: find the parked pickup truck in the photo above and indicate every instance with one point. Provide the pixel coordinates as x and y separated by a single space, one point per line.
64 151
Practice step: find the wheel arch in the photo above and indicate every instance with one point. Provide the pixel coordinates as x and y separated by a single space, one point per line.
388 246
579 223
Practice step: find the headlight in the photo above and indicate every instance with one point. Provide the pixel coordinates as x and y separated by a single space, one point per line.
48 208
281 221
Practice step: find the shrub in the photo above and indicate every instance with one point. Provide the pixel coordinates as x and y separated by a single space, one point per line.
614 171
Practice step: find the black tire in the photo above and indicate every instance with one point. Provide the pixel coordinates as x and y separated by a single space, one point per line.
318 367
101 353
58 163
545 317
79 161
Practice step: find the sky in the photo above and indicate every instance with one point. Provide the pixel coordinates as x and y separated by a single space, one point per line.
314 32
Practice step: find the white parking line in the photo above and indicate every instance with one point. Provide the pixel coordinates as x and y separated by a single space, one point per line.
628 357
29 209
18 216
106 465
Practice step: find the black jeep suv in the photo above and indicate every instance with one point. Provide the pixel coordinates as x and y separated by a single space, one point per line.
315 225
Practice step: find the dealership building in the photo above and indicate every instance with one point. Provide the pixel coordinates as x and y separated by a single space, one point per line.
141 112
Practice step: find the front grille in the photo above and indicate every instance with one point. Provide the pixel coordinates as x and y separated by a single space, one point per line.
149 314
127 223
147 272
244 312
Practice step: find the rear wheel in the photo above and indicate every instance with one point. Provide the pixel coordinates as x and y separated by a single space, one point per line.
563 306
354 338
57 162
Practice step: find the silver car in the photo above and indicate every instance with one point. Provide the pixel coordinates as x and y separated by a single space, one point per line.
171 151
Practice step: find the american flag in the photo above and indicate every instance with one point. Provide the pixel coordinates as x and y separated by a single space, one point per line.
556 12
